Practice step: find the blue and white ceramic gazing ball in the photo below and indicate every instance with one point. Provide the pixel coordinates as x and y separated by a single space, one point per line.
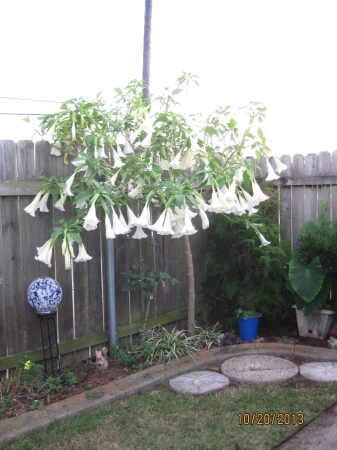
44 294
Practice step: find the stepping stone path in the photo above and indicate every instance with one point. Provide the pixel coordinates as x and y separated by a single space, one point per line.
319 371
198 383
259 369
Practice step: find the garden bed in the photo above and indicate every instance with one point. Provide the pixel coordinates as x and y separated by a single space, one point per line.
89 378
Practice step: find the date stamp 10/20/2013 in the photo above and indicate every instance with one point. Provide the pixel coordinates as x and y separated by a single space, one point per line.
270 418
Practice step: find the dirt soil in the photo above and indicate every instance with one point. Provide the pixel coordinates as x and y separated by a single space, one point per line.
90 378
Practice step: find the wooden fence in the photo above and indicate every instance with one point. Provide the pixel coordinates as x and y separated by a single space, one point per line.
82 319
83 313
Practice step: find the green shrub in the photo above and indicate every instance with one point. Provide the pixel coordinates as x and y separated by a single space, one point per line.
242 274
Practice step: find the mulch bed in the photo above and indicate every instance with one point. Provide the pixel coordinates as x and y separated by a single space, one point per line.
89 378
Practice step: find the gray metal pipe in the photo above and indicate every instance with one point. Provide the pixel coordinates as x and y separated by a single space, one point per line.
110 257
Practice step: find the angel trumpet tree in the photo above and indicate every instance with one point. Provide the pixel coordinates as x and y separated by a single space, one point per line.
181 165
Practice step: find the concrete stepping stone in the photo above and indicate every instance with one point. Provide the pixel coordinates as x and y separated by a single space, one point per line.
319 371
256 369
198 383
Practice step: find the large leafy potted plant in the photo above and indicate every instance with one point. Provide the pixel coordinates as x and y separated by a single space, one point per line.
313 276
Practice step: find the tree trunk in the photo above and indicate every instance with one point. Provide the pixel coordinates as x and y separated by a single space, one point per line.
190 286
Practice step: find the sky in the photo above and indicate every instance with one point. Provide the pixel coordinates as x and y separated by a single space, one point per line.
281 53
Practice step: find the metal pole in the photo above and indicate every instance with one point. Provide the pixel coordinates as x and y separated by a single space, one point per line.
110 255
147 48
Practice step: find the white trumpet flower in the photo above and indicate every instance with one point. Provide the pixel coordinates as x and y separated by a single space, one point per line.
55 151
82 255
101 153
271 174
43 203
188 227
215 205
163 163
132 219
178 228
139 233
258 195
67 259
159 223
204 219
166 228
122 221
119 151
128 150
59 204
175 163
145 217
81 205
118 163
135 192
109 234
117 226
187 160
146 142
69 182
280 167
49 136
45 253
32 207
73 132
90 220
263 240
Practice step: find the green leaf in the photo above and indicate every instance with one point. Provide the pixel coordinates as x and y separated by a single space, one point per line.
306 279
76 237
88 140
180 198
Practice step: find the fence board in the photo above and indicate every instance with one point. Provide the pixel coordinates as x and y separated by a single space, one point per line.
285 200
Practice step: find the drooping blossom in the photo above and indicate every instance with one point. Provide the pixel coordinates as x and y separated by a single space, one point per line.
44 253
188 226
55 151
136 191
139 233
187 160
90 220
271 174
163 163
119 151
263 240
117 226
113 179
128 150
82 255
81 205
166 229
109 234
67 259
280 167
258 195
159 223
42 206
144 219
204 219
229 193
59 204
49 136
215 205
146 142
118 163
178 228
73 132
69 182
132 219
32 207
100 152
175 163
123 223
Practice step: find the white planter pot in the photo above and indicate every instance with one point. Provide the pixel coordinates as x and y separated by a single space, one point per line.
318 325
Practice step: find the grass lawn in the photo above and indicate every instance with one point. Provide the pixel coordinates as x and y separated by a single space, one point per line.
162 419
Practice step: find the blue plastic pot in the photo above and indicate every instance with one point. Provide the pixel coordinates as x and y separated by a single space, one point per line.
248 328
